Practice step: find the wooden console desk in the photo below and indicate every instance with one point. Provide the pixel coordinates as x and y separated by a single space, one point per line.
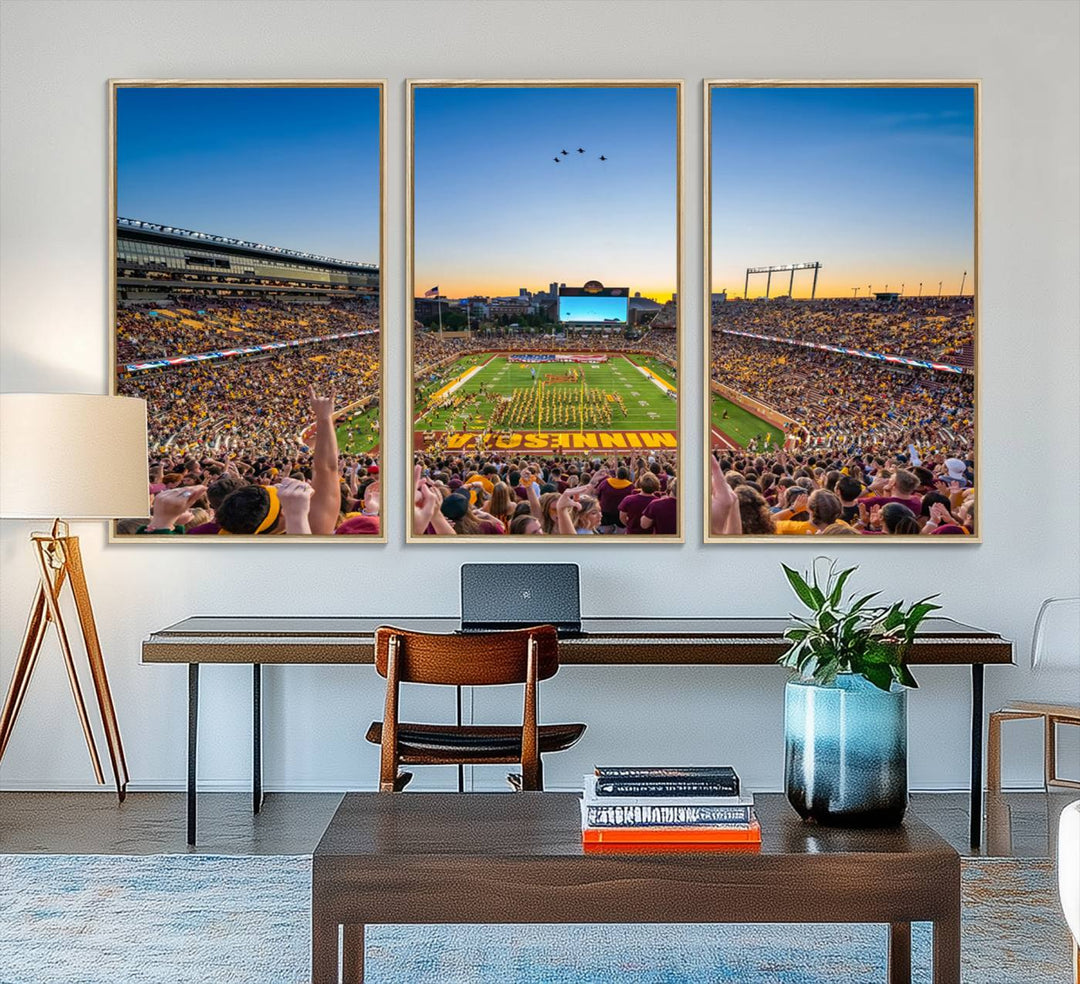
617 641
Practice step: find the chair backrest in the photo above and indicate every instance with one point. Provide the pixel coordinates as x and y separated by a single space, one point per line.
469 660
1055 643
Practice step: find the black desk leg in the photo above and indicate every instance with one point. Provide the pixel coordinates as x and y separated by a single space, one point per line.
461 767
256 738
192 747
976 753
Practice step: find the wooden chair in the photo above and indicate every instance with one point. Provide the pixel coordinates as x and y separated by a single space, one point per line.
1054 645
483 659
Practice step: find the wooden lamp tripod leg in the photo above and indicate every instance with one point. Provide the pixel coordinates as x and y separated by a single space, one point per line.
52 604
24 666
79 589
58 559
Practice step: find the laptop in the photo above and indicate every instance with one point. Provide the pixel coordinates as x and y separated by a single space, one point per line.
495 597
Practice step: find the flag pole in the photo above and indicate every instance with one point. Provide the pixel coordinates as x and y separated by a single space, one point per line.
438 304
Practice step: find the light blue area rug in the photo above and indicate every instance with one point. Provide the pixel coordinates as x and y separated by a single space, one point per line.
246 920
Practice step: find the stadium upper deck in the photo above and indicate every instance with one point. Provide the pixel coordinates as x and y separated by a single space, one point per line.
153 261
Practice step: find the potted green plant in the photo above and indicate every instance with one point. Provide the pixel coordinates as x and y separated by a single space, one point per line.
845 713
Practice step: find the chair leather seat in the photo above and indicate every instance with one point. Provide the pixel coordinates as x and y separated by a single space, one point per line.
474 742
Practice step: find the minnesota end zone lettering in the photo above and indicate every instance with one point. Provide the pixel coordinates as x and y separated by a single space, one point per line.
549 441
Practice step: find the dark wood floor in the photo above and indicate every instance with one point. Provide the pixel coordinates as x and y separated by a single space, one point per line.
1020 824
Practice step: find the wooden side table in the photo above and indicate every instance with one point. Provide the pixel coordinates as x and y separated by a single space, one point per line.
434 858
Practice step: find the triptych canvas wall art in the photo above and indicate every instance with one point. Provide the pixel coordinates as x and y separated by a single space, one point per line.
544 330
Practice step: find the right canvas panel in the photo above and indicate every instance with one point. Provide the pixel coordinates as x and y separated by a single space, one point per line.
842 321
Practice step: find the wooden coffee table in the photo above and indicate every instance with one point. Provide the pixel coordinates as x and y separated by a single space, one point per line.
517 858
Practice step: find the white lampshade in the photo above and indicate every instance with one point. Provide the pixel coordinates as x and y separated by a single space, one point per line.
72 456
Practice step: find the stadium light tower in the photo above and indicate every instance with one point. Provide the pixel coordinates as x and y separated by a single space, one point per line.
939 283
783 268
854 291
920 288
962 279
901 290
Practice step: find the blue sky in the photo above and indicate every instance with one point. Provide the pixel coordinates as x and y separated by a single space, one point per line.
494 212
291 167
876 183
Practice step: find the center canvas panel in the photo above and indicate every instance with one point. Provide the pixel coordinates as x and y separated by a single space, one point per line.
545 328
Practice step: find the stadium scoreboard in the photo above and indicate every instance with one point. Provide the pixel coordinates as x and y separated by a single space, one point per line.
594 304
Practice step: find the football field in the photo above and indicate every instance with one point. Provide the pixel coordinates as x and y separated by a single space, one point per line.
739 427
495 394
359 434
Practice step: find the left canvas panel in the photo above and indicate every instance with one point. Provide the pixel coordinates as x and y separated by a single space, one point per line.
247 237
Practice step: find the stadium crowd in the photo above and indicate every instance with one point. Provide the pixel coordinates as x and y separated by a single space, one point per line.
243 490
849 403
250 405
430 347
189 324
501 494
878 448
932 328
804 494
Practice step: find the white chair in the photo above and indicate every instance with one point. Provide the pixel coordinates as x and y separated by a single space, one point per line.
1069 875
1055 645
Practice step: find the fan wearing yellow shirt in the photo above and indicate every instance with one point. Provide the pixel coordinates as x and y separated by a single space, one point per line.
825 508
486 480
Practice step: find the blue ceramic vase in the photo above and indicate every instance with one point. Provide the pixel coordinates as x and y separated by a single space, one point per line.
846 751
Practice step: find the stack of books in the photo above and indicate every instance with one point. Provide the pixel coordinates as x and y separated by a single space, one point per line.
655 806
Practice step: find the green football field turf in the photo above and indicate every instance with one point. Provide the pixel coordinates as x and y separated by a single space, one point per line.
454 369
648 407
741 425
358 436
662 369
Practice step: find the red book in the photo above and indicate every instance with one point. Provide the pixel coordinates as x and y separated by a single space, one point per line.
638 848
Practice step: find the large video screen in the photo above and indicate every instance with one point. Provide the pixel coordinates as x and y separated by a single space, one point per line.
593 309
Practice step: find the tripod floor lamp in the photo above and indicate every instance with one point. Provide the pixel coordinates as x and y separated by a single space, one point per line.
77 457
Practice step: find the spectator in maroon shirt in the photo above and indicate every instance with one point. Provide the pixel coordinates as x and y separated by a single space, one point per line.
661 515
611 491
633 506
902 488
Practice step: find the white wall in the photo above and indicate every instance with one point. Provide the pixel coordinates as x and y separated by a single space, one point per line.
56 57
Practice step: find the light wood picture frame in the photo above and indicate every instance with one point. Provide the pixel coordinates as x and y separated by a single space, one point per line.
817 194
515 289
248 195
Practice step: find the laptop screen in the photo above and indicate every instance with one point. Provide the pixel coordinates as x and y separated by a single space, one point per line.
516 595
